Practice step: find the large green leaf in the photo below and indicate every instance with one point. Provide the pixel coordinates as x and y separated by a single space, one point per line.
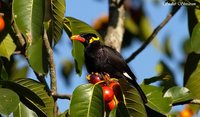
78 55
155 99
190 65
37 57
7 47
18 89
195 42
9 101
119 111
178 94
74 26
194 82
134 103
32 94
23 111
58 11
28 16
87 101
39 90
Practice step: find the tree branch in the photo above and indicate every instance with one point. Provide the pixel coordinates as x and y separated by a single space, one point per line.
62 96
51 64
155 32
41 78
18 34
194 101
115 29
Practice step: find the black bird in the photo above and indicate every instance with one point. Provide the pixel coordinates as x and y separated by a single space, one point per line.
101 58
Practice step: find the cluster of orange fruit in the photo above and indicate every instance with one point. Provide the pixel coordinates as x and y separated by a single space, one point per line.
112 93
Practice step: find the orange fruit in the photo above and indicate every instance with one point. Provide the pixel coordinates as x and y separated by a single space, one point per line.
2 23
186 112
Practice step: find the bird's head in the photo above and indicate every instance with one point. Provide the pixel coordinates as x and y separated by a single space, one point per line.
85 38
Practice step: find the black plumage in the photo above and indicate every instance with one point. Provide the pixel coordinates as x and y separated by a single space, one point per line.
101 58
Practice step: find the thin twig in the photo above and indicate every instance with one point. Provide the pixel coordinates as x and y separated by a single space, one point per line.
194 101
155 32
62 96
52 67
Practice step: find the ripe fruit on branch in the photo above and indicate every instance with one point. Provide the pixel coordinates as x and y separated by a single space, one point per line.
2 23
110 105
108 93
115 86
94 78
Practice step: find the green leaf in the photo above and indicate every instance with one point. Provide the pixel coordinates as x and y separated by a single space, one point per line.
195 42
87 101
78 55
74 26
7 47
28 16
39 90
155 99
58 11
18 89
23 111
33 95
193 17
64 114
133 101
178 94
9 101
19 72
37 57
190 65
194 81
119 111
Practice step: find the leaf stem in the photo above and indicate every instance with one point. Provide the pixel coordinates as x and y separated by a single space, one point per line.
155 32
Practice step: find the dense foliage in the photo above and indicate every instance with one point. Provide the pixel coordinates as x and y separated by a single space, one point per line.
33 28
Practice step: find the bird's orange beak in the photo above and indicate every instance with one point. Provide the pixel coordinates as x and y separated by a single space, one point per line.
77 37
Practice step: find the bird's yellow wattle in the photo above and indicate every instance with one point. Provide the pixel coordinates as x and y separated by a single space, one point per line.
94 39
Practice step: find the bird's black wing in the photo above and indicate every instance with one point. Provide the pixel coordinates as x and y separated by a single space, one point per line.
116 61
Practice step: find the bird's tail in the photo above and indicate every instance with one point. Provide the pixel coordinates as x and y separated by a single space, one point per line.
135 84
